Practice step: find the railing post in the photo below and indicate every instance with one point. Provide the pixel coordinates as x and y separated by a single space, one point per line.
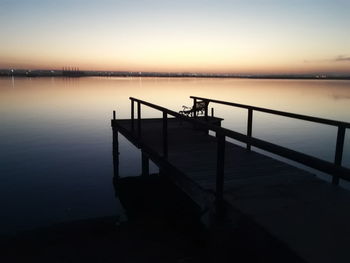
339 151
165 135
132 114
206 110
194 108
249 126
220 162
114 115
139 119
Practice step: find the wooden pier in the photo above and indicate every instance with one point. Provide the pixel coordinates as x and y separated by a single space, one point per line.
308 215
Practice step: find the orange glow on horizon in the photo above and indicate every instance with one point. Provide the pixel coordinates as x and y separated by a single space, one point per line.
238 38
176 63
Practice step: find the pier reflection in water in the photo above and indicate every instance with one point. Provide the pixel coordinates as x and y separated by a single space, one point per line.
55 135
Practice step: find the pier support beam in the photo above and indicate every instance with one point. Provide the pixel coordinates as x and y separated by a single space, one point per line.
220 162
115 153
145 163
339 151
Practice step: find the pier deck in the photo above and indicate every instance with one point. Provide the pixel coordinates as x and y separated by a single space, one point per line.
307 214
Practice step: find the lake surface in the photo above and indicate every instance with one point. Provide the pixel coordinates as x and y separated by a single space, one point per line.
56 139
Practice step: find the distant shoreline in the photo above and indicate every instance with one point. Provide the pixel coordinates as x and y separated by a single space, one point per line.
78 73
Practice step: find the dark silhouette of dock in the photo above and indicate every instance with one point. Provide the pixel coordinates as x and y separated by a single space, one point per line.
270 205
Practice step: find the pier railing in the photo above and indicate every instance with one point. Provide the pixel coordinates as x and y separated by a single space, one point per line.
341 126
335 169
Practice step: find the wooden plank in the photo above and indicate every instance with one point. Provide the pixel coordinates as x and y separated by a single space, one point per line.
291 204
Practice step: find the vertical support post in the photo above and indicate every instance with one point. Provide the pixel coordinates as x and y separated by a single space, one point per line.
194 108
339 151
115 153
132 115
212 112
145 163
139 119
249 126
165 135
206 114
206 110
220 163
114 115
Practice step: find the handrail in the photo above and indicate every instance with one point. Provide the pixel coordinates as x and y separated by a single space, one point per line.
334 169
281 113
342 126
308 160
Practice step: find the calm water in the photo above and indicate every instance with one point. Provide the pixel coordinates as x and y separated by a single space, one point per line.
56 140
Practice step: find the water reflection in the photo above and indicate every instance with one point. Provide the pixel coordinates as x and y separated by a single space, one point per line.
341 97
13 81
55 135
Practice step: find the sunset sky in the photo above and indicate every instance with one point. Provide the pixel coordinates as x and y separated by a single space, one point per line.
251 36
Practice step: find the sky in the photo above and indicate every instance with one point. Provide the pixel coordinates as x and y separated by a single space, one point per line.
250 36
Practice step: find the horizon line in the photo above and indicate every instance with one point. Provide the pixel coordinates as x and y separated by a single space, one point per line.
72 68
75 72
